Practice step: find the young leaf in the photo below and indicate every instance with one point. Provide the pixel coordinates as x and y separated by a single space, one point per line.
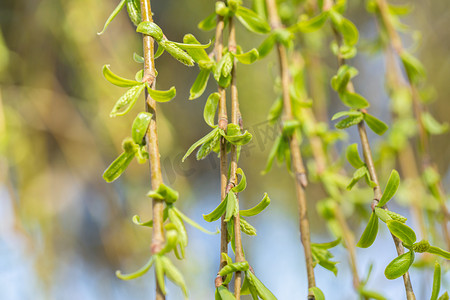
349 32
138 273
137 58
275 110
341 114
257 208
252 21
357 175
371 294
193 223
353 156
396 216
390 189
318 295
118 166
209 112
242 184
159 272
134 11
272 154
200 84
137 220
234 267
224 293
377 126
402 231
151 29
209 23
439 251
370 233
162 96
436 281
248 57
208 146
413 67
312 24
382 214
127 100
328 245
197 54
112 16
197 45
354 100
246 227
217 212
349 121
164 193
399 265
204 139
140 126
174 275
234 136
433 126
263 292
232 206
117 80
176 52
267 46
444 296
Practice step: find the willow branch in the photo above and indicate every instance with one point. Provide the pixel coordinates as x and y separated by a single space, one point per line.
297 162
425 156
223 122
152 140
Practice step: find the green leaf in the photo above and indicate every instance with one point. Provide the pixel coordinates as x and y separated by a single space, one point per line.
112 16
349 32
402 231
209 23
217 212
399 266
118 166
377 126
318 295
246 227
234 136
201 141
151 29
232 206
413 67
134 11
224 293
137 58
433 126
197 54
444 296
396 216
353 156
390 189
242 184
176 52
140 126
263 292
138 273
164 193
328 245
267 46
312 24
159 272
247 57
439 251
127 100
197 45
370 233
137 220
209 112
357 175
162 96
340 81
345 113
275 110
371 294
436 281
224 67
174 275
117 80
234 267
272 154
252 21
354 100
200 83
208 146
349 121
257 208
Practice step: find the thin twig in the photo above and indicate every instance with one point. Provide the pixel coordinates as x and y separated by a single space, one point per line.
297 162
152 141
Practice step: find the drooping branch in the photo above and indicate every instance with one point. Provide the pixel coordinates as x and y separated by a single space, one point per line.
297 162
152 140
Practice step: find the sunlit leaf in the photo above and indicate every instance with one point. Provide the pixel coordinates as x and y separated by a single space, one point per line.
399 266
247 57
118 166
138 273
163 192
436 281
433 126
176 52
151 29
439 251
257 208
127 101
200 83
209 23
413 67
234 267
117 80
232 206
197 54
377 126
267 46
112 16
207 137
272 154
134 11
139 128
193 223
318 294
352 155
370 233
224 293
162 96
209 112
217 212
349 121
174 275
354 100
313 24
263 292
390 189
402 231
252 21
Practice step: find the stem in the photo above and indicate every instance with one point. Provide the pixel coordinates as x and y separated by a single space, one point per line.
235 116
425 156
297 163
152 140
223 122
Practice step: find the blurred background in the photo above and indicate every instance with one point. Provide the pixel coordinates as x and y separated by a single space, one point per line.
64 231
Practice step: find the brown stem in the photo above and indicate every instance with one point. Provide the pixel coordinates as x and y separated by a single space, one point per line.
297 162
235 119
152 140
223 122
424 152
